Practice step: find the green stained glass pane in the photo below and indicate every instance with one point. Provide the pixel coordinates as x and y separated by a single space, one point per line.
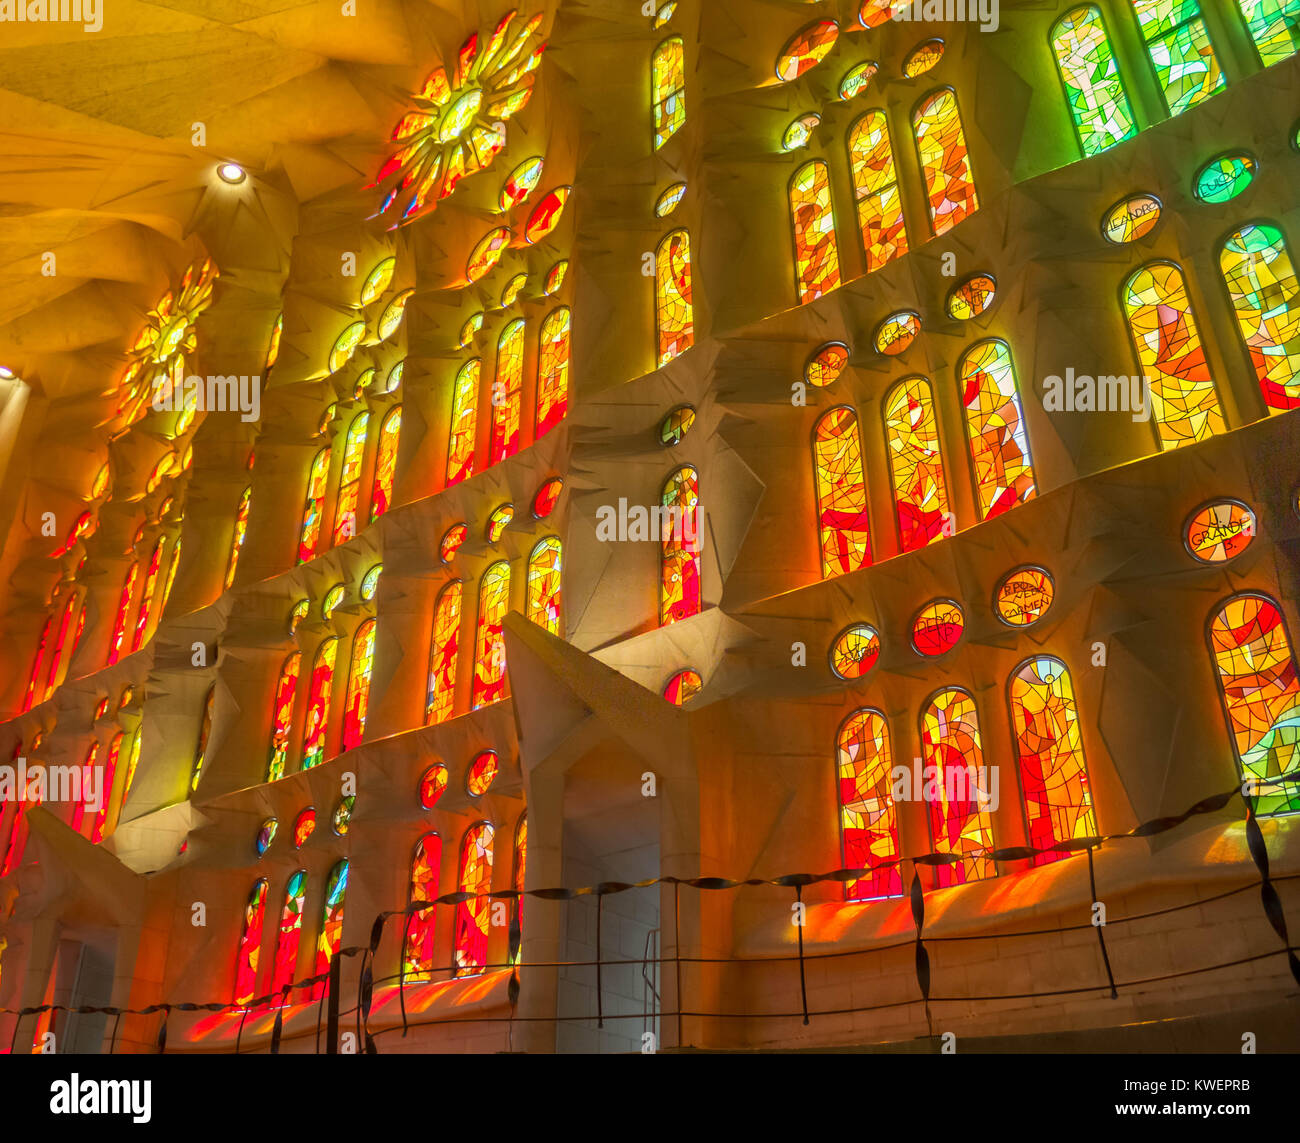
1180 50
1093 87
1159 16
1274 25
1224 178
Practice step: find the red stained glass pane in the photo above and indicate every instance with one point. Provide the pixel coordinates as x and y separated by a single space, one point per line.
445 653
868 817
470 934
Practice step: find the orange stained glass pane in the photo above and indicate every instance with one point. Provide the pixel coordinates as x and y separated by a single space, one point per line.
318 704
354 452
668 89
544 584
945 163
875 189
491 683
314 509
868 816
553 371
508 393
995 428
841 494
916 464
444 655
674 311
816 255
464 422
286 688
471 925
960 822
417 955
679 592
381 495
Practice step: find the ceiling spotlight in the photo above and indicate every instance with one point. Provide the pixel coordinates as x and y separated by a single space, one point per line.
7 374
231 173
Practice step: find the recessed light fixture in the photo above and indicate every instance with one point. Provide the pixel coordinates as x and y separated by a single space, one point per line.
231 173
7 374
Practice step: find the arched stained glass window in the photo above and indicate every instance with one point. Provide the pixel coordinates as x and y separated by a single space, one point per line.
289 934
674 310
553 371
841 494
945 163
508 393
464 422
314 509
444 655
868 817
77 818
237 539
955 776
875 189
286 688
1261 697
679 581
318 704
172 569
146 596
250 943
29 696
330 937
1184 403
205 731
1181 52
544 584
1257 267
470 934
358 696
912 442
123 615
1094 88
417 954
517 883
816 253
1049 745
1274 25
490 681
348 505
995 428
668 89
99 826
52 676
390 430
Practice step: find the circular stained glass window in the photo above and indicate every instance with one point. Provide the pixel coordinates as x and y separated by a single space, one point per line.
487 253
1219 531
1224 178
304 826
454 537
855 652
472 325
499 521
521 182
346 345
682 687
482 771
1024 596
937 628
674 427
896 333
1131 219
341 819
855 82
826 365
800 132
379 279
432 785
266 835
547 496
668 201
370 582
972 297
922 58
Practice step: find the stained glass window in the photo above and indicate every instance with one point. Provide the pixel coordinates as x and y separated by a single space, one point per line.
464 422
945 164
937 628
667 202
370 582
333 597
100 824
826 365
1257 267
304 826
544 585
520 183
912 443
816 255
679 584
29 695
470 933
56 655
318 704
841 494
683 686
874 13
868 817
875 189
971 298
1094 89
386 463
517 883
1224 178
674 310
1181 52
855 80
314 509
546 215
924 57
266 835
498 522
995 428
341 818
674 427
330 937
417 954
147 594
378 280
451 542
358 696
123 614
286 944
855 651
1024 597
78 816
205 730
1049 744
490 680
1219 531
1261 697
241 530
482 773
799 133
1274 25
441 695
172 569
1184 403
433 784
487 253
553 371
354 451
954 762
668 89
806 49
250 943
508 392
546 497
1133 218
